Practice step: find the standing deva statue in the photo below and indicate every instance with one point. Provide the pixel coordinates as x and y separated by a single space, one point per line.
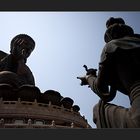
119 70
13 68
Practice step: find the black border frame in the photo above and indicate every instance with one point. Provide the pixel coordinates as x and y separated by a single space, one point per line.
69 5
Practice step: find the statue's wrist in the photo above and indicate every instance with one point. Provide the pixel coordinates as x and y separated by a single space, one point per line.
89 76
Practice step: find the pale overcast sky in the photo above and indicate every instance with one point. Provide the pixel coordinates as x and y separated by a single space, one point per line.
65 41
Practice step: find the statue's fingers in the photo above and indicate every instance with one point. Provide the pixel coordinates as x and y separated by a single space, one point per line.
78 77
18 40
81 78
21 42
82 84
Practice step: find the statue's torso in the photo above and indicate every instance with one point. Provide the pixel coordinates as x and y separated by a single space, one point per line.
122 57
21 69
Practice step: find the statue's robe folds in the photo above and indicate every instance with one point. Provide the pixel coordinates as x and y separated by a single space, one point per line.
119 68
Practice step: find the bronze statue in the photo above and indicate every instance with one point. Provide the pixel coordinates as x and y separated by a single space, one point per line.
13 68
119 70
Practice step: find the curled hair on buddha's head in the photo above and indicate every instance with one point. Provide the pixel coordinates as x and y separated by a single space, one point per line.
113 20
22 36
117 31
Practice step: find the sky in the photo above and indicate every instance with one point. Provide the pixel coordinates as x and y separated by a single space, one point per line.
65 41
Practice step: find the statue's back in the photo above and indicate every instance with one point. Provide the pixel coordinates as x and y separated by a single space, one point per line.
126 65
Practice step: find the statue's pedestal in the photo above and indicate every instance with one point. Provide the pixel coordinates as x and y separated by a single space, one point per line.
26 108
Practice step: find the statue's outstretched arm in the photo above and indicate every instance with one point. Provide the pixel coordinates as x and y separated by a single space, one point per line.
98 83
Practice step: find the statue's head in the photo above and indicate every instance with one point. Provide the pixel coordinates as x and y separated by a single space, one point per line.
113 20
116 31
22 45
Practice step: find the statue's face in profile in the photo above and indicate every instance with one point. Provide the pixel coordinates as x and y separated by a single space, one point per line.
22 48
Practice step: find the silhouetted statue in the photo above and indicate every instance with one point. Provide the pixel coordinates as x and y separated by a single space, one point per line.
13 68
119 70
